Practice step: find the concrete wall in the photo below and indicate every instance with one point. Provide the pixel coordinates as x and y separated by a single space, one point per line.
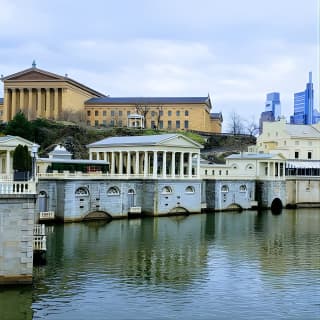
267 191
303 191
228 194
16 238
148 194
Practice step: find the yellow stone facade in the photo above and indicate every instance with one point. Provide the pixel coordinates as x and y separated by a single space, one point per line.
168 116
41 94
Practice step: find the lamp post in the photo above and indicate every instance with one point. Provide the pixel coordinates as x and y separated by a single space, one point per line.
34 151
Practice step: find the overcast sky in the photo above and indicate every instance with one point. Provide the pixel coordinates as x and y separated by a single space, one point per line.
237 51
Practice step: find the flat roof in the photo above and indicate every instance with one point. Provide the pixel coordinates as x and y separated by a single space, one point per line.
149 100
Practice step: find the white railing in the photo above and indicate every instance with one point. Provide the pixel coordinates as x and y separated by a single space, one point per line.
99 175
46 215
17 187
135 210
39 230
39 243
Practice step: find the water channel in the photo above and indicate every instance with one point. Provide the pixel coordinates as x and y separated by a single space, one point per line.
227 265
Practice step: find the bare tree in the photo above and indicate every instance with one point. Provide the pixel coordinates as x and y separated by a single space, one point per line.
143 110
159 115
251 126
236 124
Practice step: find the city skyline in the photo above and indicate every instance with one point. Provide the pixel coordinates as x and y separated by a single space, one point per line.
178 48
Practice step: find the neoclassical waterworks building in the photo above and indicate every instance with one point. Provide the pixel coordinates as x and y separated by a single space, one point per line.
155 175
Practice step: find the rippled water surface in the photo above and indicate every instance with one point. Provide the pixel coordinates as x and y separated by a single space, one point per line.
209 266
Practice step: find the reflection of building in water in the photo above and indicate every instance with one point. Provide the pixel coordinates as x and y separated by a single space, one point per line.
159 251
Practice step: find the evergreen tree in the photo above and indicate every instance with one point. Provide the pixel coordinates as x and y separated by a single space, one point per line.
20 126
21 159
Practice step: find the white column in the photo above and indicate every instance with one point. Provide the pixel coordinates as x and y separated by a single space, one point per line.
120 162
198 165
190 165
112 162
274 169
137 163
173 164
8 165
128 163
181 164
145 167
268 169
164 164
155 163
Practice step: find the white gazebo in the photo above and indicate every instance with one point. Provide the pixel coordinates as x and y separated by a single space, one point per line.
7 146
154 156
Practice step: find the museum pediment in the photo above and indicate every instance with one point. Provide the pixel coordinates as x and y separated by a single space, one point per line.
33 75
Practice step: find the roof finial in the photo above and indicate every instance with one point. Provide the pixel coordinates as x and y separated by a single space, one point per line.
34 64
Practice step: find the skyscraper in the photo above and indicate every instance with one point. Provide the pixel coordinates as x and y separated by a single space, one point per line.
303 105
273 104
272 109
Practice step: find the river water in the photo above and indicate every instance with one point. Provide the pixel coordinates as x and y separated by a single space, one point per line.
227 265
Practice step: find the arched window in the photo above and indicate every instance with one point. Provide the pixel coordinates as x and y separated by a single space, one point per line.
82 191
206 172
131 191
225 188
113 191
166 190
250 166
234 166
243 188
213 172
43 194
190 189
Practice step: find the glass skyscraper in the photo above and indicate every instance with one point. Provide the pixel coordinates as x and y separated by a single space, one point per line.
303 105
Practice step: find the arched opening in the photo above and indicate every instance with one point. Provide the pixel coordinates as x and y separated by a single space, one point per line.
131 198
43 201
113 191
179 210
234 206
276 206
166 190
82 191
97 215
190 189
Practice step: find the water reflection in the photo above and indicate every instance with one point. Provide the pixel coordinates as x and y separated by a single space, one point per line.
183 267
15 303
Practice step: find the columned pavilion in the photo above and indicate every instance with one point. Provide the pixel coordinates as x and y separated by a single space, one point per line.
158 156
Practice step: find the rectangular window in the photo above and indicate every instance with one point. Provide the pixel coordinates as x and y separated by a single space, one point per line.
178 124
169 124
178 113
186 113
128 113
120 123
112 123
153 124
153 113
169 113
296 155
96 123
161 124
104 122
309 155
186 124
112 113
161 113
88 113
88 123
120 113
104 113
96 113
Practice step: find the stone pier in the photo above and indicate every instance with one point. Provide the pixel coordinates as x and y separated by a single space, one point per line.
16 238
